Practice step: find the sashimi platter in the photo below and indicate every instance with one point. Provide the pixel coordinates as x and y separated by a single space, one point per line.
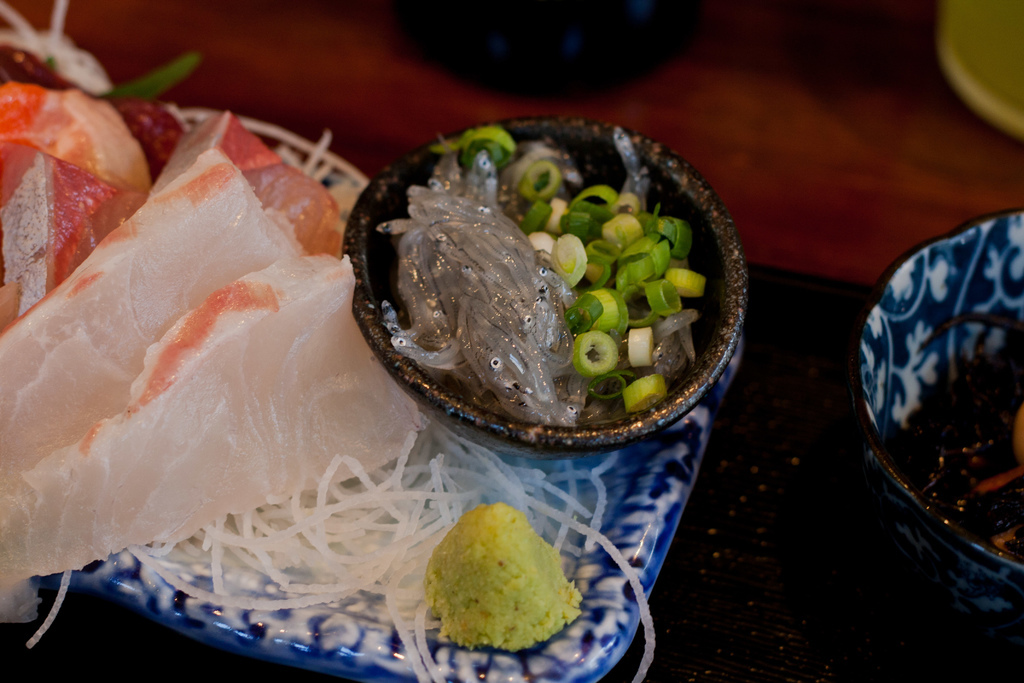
193 428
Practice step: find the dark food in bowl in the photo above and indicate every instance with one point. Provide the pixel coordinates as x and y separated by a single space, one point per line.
958 446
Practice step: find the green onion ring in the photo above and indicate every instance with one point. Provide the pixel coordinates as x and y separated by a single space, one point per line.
619 375
582 315
615 315
634 270
536 217
602 280
644 393
605 193
594 353
602 251
663 297
622 229
495 139
541 181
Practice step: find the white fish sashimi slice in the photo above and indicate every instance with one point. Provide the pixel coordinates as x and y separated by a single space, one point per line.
70 360
250 395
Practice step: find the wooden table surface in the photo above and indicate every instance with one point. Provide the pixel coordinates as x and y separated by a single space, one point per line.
825 125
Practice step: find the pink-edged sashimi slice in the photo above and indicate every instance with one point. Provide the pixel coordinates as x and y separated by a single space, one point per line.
70 360
52 216
78 128
302 206
249 396
223 131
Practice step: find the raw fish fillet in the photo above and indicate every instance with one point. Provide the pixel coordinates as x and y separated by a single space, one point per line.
220 131
303 207
300 205
80 129
52 217
250 395
70 360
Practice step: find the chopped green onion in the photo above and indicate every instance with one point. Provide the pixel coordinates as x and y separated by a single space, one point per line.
594 353
599 213
681 249
663 297
618 375
659 250
622 229
665 227
644 393
615 316
542 241
495 139
558 207
687 282
582 315
604 193
536 217
598 275
634 270
627 202
676 230
579 223
570 258
160 80
602 251
541 181
640 346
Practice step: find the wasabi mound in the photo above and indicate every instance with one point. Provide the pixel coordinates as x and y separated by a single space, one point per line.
494 582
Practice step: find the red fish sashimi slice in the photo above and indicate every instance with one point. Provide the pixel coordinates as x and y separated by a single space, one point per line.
224 132
303 207
52 217
80 129
250 395
70 360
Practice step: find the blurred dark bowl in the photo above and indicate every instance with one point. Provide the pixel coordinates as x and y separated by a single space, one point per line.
717 253
549 46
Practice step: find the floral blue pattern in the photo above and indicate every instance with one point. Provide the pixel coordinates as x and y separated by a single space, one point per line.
647 491
978 267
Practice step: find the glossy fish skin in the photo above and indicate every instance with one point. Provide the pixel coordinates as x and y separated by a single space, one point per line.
239 401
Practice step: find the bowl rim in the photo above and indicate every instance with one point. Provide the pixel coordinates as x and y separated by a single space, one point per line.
869 431
551 441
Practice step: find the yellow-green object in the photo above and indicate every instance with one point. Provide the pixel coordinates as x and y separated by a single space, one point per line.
494 582
981 52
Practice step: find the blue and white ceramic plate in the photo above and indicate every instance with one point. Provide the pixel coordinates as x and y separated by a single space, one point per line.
647 491
977 268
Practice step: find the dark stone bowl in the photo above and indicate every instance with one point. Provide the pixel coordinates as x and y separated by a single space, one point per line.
717 253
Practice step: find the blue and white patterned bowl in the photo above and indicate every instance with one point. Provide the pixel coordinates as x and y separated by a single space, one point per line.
977 267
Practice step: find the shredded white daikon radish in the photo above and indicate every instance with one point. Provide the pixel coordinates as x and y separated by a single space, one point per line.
65 581
74 64
375 532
